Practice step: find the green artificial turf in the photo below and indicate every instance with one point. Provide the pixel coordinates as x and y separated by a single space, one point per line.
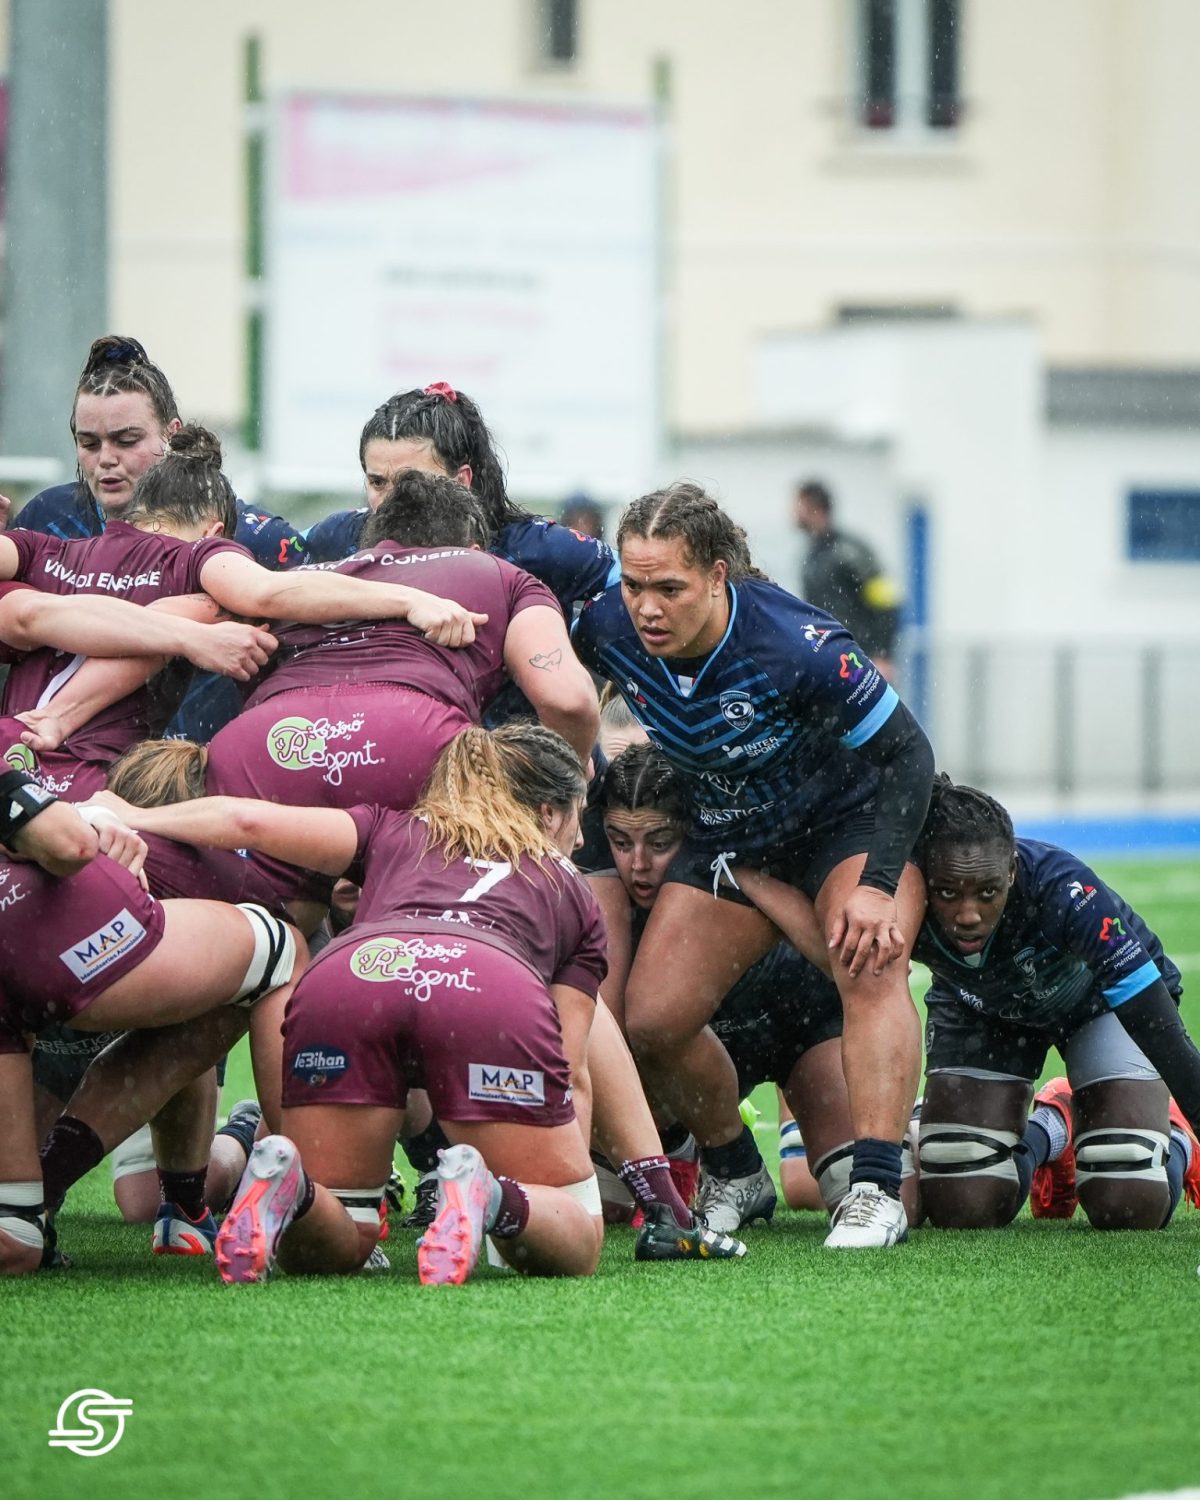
1041 1360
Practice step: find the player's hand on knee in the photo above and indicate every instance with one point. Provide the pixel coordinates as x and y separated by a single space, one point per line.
867 925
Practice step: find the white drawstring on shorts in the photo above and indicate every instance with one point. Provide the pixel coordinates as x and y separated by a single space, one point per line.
720 866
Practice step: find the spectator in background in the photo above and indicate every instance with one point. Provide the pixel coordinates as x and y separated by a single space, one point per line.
842 576
582 514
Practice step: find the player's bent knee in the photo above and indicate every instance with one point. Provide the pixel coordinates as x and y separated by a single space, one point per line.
1121 1177
968 1177
274 958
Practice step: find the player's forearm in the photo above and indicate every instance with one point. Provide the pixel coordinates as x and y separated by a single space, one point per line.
576 718
905 760
1153 1021
324 598
314 838
91 625
96 686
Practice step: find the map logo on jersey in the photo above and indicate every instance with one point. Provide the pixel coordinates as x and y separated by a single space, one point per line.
852 667
737 708
317 1065
101 949
815 636
492 1084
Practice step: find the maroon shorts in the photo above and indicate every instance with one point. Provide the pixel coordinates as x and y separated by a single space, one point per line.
377 1014
69 779
334 747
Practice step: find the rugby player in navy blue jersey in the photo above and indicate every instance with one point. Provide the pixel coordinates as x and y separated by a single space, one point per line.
440 431
124 412
1030 949
800 763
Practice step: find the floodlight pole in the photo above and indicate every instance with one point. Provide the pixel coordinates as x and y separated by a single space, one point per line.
56 216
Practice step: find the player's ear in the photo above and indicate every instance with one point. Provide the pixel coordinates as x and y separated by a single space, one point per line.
720 571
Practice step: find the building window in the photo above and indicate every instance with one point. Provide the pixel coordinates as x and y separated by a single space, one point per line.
1164 525
908 65
558 31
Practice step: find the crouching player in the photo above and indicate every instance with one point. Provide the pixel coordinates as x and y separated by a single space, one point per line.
83 942
1029 948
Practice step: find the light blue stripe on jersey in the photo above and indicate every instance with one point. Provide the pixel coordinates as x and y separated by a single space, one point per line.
874 721
1133 984
614 573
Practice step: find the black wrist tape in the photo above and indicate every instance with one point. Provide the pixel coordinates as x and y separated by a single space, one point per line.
21 799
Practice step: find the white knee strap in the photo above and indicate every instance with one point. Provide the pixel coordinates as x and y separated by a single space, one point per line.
1121 1155
966 1151
274 955
832 1172
586 1192
20 1211
362 1204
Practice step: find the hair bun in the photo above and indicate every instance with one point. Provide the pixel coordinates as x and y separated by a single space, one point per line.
196 442
114 349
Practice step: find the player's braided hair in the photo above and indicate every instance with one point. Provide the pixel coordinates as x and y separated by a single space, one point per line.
684 510
158 772
453 427
961 815
187 487
642 777
427 510
116 365
484 794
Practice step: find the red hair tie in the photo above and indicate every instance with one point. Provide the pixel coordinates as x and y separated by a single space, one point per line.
440 388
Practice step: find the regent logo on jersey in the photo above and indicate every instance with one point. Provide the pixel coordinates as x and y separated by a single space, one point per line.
317 1065
816 637
492 1084
737 708
101 949
1108 927
852 668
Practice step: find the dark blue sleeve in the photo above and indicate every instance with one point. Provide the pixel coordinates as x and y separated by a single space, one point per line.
61 511
835 681
585 631
335 537
573 566
270 540
1085 917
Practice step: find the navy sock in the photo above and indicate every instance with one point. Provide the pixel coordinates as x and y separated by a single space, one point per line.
739 1157
1176 1167
422 1150
878 1162
673 1138
69 1152
185 1190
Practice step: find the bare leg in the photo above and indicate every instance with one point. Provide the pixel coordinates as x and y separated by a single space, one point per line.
19 1161
694 950
622 1126
183 1128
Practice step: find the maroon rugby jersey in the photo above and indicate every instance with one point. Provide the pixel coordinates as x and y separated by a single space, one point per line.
392 651
542 914
125 563
63 942
180 870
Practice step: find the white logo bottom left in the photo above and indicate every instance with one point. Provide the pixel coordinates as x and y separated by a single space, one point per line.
89 1439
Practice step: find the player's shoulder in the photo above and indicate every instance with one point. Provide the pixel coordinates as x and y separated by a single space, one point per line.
71 503
337 535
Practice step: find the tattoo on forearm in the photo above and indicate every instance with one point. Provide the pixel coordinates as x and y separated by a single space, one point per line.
547 661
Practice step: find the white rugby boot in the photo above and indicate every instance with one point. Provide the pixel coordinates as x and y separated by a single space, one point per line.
724 1204
867 1218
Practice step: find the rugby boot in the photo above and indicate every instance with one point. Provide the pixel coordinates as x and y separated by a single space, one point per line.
263 1206
661 1238
425 1201
725 1204
867 1218
449 1248
176 1234
1052 1193
1191 1178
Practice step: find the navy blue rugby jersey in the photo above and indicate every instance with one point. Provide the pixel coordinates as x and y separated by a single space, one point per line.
572 566
765 732
1067 946
68 510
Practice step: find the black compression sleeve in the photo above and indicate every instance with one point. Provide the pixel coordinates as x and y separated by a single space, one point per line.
21 799
1152 1019
905 760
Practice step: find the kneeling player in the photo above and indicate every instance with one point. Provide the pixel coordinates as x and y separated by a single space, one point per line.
1029 948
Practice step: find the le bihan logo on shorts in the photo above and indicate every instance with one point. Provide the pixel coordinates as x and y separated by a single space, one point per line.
499 1085
101 949
90 1422
317 1065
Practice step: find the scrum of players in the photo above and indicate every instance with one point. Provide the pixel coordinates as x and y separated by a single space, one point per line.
352 795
